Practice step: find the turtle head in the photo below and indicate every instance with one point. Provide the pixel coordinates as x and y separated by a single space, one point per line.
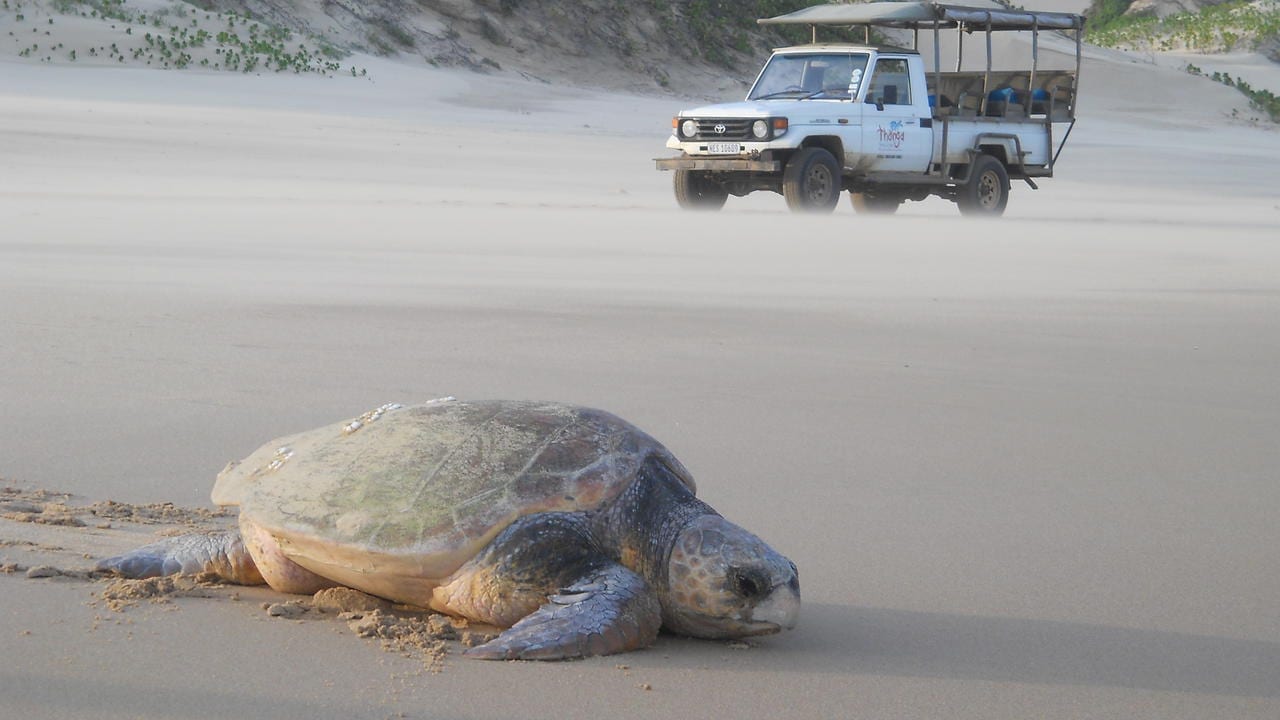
724 582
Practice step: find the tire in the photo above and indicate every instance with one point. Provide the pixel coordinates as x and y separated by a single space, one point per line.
695 192
811 182
987 193
884 203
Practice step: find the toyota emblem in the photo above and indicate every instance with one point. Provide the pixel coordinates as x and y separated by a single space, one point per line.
719 129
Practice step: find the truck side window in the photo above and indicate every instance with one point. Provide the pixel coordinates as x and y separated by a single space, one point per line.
890 83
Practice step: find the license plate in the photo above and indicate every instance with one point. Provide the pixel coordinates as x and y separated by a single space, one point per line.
723 148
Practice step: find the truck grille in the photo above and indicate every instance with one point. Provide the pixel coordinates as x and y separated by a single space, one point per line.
734 129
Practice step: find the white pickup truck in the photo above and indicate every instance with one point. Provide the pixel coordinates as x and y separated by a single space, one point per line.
875 121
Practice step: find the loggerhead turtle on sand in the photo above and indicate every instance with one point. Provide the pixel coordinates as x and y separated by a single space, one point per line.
569 526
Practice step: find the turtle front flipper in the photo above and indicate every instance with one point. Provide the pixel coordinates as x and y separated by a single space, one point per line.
562 595
222 553
611 610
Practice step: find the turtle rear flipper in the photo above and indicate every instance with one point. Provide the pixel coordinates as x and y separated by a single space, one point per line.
611 610
222 553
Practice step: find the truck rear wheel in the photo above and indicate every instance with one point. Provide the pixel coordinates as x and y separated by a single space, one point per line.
694 191
811 182
875 203
987 192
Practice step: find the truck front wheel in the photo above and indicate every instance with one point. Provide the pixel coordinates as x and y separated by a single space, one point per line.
987 192
694 191
811 182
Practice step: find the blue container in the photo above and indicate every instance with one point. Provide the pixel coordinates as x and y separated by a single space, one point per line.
1005 95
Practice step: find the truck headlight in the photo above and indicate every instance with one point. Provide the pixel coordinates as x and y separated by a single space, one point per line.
760 129
688 128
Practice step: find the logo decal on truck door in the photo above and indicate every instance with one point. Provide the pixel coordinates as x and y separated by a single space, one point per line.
892 137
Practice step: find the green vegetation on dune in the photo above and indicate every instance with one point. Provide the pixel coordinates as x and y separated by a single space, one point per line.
1104 14
1260 99
180 36
1236 25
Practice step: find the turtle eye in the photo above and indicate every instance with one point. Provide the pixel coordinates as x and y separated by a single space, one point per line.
748 584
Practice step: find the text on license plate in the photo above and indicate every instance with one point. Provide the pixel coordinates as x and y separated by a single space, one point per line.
723 148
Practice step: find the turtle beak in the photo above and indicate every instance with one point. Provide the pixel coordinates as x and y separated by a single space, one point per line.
780 610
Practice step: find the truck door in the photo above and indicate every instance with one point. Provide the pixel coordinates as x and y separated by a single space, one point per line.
892 136
834 79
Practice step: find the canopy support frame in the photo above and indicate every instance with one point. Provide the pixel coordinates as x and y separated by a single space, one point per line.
986 78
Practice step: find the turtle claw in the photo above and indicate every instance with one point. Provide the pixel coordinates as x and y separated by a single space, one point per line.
611 611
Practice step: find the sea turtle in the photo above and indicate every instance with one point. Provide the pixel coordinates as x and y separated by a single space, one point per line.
569 526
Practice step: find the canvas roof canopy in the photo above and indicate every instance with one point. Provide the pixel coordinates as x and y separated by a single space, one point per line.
913 15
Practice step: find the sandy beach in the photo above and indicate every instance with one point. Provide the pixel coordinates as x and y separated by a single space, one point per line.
1027 468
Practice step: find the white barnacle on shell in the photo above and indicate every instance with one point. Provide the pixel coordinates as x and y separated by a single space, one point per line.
445 399
282 456
369 417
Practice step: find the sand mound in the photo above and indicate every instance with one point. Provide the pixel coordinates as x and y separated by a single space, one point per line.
634 46
121 594
51 507
414 633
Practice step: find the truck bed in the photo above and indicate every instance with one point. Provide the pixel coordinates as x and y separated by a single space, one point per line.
1006 109
962 95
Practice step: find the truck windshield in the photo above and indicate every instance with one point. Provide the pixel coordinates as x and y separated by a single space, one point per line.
827 76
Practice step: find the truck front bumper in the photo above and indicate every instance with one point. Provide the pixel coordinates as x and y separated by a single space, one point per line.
721 164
